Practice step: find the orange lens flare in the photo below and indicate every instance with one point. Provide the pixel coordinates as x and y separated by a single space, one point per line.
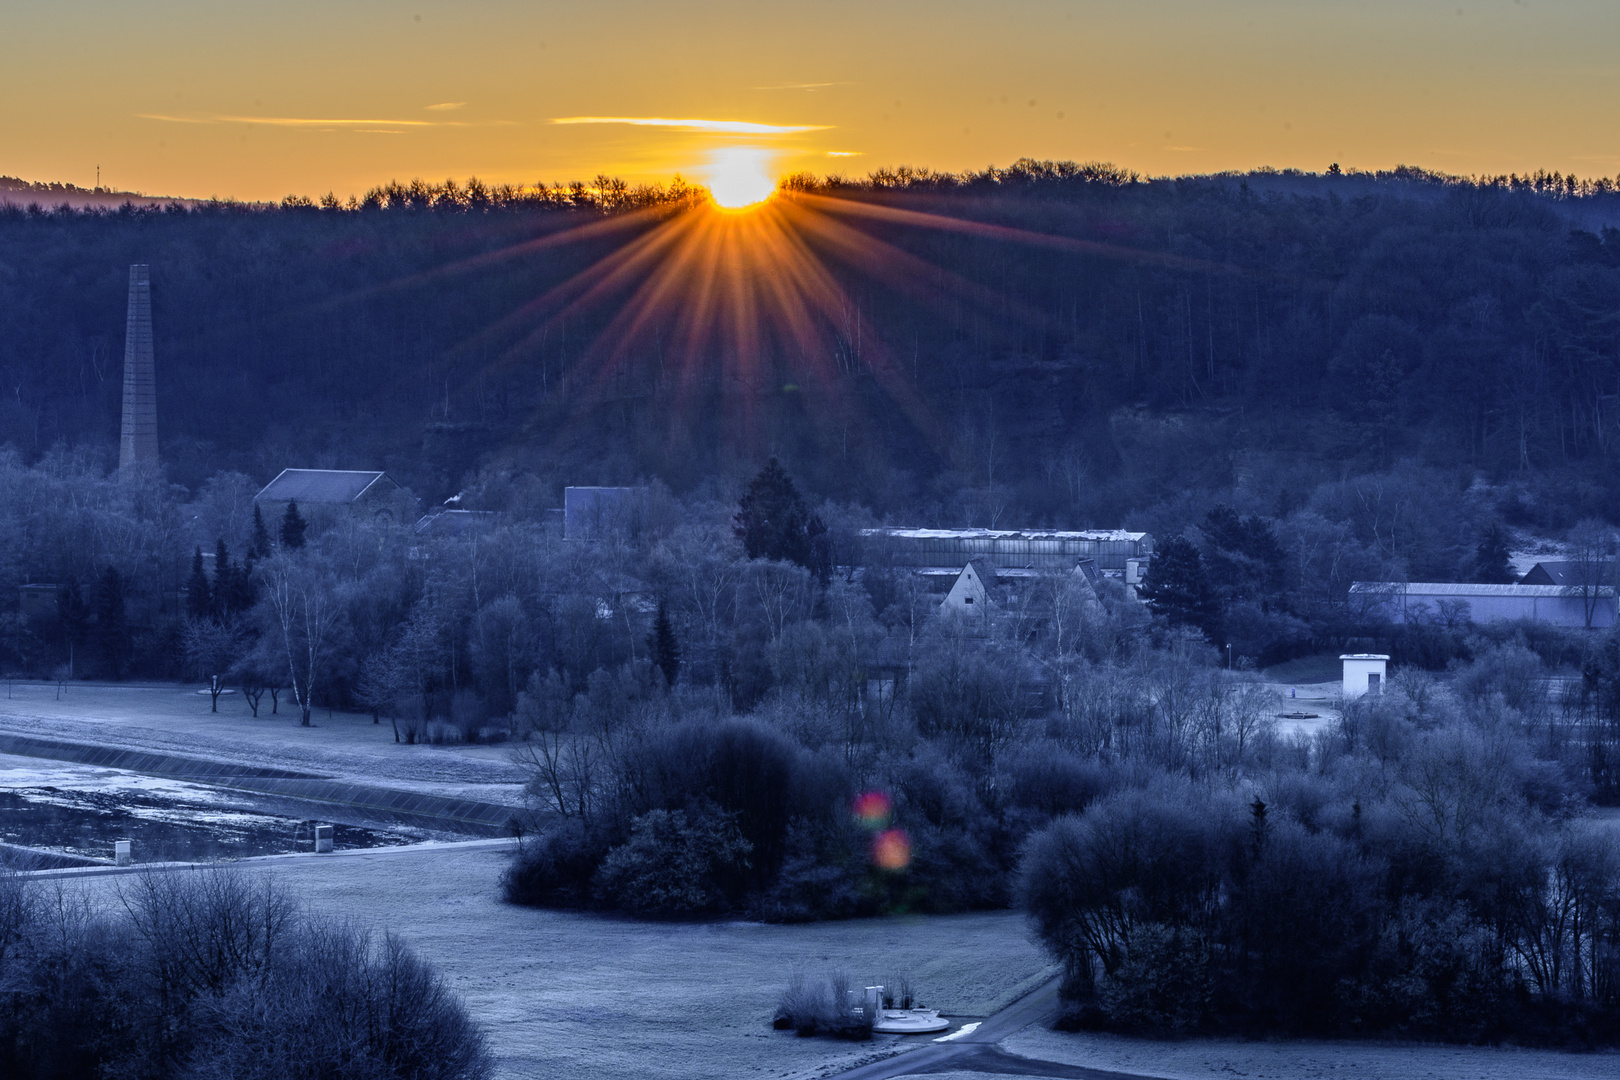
891 850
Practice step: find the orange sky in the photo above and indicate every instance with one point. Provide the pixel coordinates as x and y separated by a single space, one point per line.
258 100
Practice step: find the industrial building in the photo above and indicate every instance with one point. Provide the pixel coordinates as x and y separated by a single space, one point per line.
1112 552
1420 601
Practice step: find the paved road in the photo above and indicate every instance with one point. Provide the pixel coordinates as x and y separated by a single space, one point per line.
978 1051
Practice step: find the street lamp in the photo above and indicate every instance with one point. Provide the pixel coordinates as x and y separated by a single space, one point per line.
1228 656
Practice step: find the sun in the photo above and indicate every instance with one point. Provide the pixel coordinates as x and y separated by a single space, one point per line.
739 177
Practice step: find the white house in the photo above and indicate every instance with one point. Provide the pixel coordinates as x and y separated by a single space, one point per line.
1363 673
971 593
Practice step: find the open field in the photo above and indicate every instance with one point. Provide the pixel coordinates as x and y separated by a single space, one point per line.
1303 1059
571 995
174 719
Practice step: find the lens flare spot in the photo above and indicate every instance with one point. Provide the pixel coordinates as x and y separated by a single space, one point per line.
891 849
740 177
873 809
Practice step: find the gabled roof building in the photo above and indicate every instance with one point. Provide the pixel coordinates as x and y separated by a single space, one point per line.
339 487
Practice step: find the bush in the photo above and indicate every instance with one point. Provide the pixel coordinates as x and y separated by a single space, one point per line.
555 869
821 1007
213 974
676 862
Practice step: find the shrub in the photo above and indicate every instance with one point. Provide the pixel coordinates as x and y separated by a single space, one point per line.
676 862
214 974
555 868
821 1007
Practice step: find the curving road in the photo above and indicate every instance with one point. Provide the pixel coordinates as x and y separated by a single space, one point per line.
979 1050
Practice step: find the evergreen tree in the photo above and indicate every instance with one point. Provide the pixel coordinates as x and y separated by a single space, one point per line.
112 625
224 575
1493 563
199 597
74 613
292 527
1176 587
773 523
666 651
259 544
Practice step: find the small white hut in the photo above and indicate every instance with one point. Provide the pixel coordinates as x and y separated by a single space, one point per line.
1363 673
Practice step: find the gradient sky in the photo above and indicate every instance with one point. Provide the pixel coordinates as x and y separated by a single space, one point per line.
220 97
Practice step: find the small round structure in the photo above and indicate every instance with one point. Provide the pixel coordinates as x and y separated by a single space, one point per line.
909 1022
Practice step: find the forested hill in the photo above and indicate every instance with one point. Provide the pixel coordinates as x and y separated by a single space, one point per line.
1051 344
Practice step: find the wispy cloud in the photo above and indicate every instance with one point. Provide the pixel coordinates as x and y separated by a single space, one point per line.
1184 149
446 106
728 127
327 122
804 86
846 153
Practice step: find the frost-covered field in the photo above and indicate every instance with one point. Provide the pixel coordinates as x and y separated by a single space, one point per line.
1207 1059
176 720
571 995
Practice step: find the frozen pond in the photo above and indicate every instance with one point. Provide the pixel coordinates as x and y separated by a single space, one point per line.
81 810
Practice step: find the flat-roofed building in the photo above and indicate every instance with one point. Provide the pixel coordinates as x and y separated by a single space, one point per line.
1113 552
1419 601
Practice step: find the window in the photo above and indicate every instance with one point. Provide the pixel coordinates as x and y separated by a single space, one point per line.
967 599
1373 683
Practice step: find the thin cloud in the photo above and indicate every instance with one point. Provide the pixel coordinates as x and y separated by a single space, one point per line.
803 86
728 127
446 106
318 122
1184 149
846 153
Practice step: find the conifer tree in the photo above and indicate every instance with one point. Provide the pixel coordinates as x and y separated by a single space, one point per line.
224 575
666 651
199 597
112 624
773 522
259 545
292 527
1176 587
1493 557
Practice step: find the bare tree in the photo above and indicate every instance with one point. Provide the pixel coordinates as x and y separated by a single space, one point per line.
305 616
1591 556
212 646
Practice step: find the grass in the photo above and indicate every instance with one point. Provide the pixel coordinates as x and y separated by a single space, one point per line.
571 994
1320 668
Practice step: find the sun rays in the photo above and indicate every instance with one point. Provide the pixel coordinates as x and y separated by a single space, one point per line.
723 310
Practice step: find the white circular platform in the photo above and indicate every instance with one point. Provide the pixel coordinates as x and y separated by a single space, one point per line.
909 1022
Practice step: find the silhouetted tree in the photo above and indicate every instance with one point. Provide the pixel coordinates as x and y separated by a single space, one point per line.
292 527
1177 588
666 651
74 615
112 624
1492 558
199 597
773 522
259 543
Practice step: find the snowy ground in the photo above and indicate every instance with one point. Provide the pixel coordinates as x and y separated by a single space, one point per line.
176 720
1319 698
1207 1059
572 995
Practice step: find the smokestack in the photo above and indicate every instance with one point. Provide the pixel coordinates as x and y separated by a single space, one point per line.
137 444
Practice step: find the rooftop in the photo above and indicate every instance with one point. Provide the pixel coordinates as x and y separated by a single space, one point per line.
1451 588
1004 534
321 485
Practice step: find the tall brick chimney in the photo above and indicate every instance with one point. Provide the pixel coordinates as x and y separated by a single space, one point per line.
137 443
